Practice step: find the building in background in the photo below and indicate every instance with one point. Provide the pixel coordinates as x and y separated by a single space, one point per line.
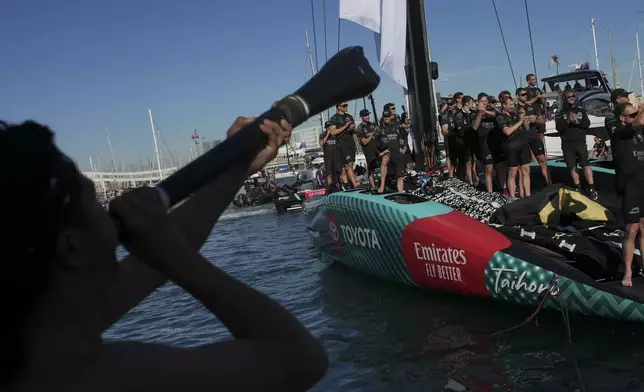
208 145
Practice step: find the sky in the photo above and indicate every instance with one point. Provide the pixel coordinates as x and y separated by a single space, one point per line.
77 65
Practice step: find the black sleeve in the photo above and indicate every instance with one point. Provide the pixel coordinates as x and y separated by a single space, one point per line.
561 121
502 122
442 119
337 121
459 120
624 132
361 131
584 122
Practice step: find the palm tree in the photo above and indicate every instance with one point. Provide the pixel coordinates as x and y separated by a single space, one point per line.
554 59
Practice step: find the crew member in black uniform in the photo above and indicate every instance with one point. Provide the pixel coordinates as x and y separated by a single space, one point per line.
572 122
515 147
472 138
367 132
628 154
389 139
538 103
535 119
461 156
405 127
446 122
344 121
390 107
490 142
332 155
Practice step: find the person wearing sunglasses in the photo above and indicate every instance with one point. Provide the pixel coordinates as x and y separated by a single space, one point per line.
367 132
333 161
535 141
611 122
390 151
572 123
345 124
628 154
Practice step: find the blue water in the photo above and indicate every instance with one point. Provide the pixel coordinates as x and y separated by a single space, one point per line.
383 336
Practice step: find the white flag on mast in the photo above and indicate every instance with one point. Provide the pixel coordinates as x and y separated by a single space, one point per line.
388 20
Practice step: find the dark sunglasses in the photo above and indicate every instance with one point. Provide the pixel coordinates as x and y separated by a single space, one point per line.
344 105
570 96
523 94
632 115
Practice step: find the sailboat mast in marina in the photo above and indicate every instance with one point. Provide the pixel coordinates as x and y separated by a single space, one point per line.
401 34
156 147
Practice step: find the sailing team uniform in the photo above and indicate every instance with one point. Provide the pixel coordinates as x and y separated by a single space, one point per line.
443 119
459 146
515 147
332 153
345 139
628 154
490 141
534 141
537 108
389 139
573 136
370 150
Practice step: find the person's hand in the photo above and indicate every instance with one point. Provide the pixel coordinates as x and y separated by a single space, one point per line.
277 134
384 152
521 115
150 234
573 117
532 118
481 107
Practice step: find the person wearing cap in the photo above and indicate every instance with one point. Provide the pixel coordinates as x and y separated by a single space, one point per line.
611 121
344 123
365 132
391 151
332 155
628 156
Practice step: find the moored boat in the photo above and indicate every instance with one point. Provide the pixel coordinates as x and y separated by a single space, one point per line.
554 249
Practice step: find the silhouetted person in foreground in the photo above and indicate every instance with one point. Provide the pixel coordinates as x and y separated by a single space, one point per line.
61 286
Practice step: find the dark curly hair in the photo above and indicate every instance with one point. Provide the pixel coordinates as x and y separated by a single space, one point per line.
40 195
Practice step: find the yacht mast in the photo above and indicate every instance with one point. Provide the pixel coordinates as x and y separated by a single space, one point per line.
313 71
639 63
612 60
592 22
109 144
156 147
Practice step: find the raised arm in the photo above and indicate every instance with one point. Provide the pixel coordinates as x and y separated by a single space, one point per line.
271 350
196 217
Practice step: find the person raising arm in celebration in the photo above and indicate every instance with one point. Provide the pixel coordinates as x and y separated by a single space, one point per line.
59 249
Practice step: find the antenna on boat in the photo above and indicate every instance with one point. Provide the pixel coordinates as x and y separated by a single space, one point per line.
592 23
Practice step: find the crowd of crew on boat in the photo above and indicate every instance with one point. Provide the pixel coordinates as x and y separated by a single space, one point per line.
504 135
